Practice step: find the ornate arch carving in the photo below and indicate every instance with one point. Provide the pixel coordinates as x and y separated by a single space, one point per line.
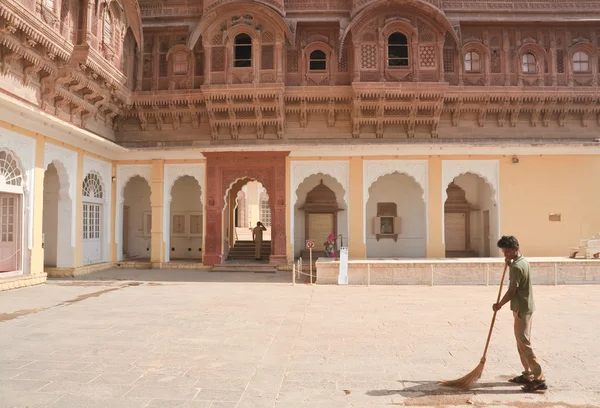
65 162
174 172
416 169
301 170
223 170
126 172
319 77
14 175
592 52
488 170
211 22
400 26
372 9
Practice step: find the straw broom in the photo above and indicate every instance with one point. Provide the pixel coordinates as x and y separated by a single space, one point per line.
468 380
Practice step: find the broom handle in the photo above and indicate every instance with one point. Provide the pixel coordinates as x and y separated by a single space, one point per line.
487 343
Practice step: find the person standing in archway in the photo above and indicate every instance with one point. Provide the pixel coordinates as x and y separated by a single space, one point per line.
257 237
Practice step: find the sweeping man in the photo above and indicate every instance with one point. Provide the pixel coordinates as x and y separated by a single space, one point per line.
520 295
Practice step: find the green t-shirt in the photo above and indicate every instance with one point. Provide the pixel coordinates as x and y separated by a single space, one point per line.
520 274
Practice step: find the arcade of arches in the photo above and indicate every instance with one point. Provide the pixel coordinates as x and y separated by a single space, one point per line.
63 209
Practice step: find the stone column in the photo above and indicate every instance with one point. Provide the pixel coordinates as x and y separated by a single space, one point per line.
278 212
214 215
157 246
79 211
37 207
435 245
207 61
278 61
288 216
113 217
357 247
440 57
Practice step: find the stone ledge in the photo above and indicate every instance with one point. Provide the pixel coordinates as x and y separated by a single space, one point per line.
79 271
22 281
455 272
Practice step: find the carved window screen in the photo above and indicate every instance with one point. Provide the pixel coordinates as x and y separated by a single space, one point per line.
107 28
292 60
162 65
496 63
448 60
560 61
317 61
343 64
581 62
9 169
92 187
49 4
267 57
397 50
217 62
242 51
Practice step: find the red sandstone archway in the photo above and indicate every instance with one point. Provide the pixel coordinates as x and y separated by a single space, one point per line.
223 169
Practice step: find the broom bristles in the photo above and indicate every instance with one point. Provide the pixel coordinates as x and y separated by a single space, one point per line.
468 380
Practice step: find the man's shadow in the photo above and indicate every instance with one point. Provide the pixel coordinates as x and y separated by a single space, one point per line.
423 389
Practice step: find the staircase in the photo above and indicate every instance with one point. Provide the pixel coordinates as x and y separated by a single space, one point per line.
244 251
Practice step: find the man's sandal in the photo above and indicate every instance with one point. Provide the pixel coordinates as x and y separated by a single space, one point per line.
520 380
535 386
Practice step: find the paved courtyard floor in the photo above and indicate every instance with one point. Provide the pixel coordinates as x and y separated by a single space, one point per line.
205 340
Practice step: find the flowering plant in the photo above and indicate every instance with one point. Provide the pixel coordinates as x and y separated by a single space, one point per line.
330 246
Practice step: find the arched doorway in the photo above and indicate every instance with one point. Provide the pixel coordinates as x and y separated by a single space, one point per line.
185 215
137 219
93 218
470 217
57 215
224 170
247 204
11 212
319 211
396 222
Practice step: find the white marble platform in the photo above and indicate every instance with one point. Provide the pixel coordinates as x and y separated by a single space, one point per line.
455 271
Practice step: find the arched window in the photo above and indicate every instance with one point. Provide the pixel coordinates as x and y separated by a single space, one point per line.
92 209
9 170
180 63
397 50
581 62
529 63
472 62
92 187
242 51
107 28
317 61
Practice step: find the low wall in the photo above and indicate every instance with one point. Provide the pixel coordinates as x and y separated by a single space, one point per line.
466 271
22 281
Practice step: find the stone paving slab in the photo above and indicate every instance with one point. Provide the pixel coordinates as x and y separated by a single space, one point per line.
251 341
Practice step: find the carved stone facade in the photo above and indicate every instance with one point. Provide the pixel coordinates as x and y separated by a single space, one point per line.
393 70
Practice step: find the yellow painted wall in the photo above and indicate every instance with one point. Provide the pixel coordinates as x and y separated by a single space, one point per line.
539 185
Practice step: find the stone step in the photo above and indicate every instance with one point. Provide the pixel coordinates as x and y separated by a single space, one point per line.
241 267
